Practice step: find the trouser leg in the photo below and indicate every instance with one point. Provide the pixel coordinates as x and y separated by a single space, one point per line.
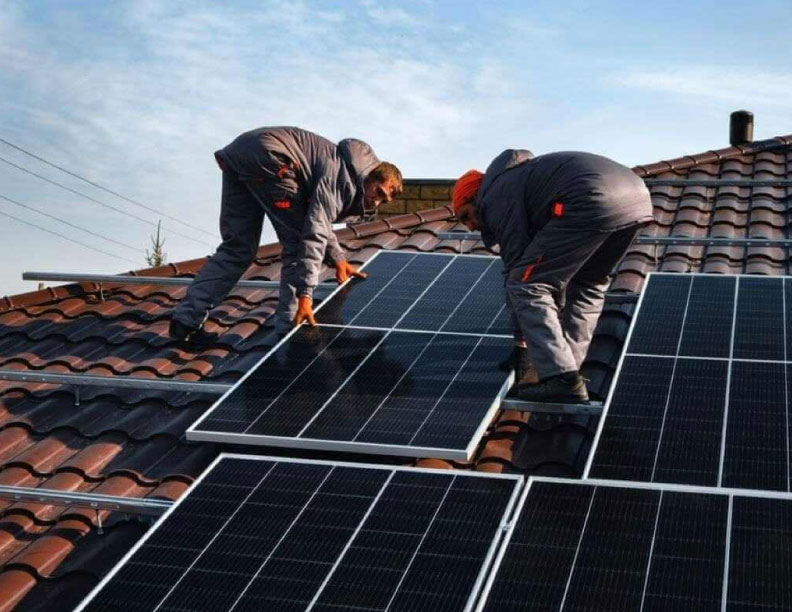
537 286
289 237
585 294
241 218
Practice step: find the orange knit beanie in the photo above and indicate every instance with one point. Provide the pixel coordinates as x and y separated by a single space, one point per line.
465 188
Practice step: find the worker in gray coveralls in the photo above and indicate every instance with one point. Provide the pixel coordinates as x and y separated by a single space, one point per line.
563 221
303 183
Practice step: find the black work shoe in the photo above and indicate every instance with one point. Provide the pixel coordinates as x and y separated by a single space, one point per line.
566 388
193 337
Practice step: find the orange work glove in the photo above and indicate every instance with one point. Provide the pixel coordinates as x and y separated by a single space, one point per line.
304 311
344 270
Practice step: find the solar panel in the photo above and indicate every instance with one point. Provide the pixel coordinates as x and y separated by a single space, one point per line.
595 545
366 390
424 291
261 533
393 368
702 393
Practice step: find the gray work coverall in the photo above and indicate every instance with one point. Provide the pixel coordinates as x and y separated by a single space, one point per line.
304 183
563 221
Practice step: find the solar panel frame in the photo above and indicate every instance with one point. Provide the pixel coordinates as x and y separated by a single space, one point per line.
194 433
731 493
498 536
786 284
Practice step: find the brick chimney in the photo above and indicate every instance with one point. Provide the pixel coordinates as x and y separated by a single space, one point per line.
419 194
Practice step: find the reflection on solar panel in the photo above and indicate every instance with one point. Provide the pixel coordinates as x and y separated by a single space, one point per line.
368 379
258 533
424 291
365 390
702 395
592 545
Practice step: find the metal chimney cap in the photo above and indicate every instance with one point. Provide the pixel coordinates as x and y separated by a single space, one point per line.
741 124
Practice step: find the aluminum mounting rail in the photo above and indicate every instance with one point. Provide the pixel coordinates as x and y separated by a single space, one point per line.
143 280
689 241
681 182
592 408
94 501
661 240
118 382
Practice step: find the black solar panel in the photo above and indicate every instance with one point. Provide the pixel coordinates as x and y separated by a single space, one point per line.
278 534
393 392
596 546
707 401
432 292
402 363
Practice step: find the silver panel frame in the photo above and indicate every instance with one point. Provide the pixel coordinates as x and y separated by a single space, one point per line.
618 484
193 432
486 565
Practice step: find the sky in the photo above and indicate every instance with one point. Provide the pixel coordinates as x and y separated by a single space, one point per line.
136 95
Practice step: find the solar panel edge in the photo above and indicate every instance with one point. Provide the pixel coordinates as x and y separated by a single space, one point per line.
365 448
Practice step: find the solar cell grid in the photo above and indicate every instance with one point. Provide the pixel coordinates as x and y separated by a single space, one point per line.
759 323
424 292
598 545
264 533
663 308
725 421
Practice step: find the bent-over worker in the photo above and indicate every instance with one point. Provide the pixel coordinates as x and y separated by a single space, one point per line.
304 183
563 221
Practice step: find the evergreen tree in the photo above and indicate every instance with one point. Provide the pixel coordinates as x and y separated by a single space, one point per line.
157 257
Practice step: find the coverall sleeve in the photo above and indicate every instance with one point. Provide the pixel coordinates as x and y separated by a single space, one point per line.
317 234
334 250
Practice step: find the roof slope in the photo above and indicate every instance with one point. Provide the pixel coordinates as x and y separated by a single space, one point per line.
124 442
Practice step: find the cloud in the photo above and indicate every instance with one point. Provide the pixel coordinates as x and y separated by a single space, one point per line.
389 16
714 84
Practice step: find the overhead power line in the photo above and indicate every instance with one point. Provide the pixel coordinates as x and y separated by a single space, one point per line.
70 224
86 196
82 244
103 188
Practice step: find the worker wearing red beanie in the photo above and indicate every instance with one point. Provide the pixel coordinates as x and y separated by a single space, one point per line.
562 222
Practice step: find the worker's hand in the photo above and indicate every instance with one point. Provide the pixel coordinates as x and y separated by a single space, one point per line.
344 270
304 311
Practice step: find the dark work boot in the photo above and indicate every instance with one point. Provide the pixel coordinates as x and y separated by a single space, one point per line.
518 361
192 337
566 388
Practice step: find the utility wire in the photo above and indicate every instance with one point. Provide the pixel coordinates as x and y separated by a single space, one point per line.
98 186
82 244
83 195
82 229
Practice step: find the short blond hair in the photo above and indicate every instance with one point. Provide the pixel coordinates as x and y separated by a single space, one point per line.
386 172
